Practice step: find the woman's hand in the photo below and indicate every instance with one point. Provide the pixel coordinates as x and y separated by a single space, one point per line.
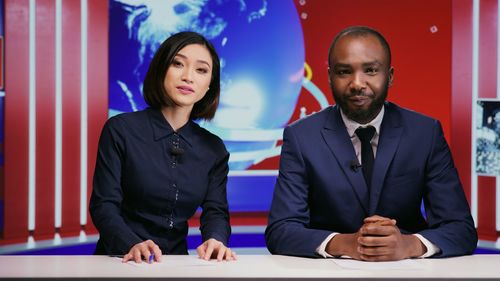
215 249
142 251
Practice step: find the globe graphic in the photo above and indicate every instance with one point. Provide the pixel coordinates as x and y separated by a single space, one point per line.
261 48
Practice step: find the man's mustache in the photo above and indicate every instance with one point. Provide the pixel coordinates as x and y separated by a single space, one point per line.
358 94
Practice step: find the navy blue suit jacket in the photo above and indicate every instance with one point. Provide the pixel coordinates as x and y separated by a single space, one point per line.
319 192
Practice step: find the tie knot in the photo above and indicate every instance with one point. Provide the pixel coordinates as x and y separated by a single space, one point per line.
365 134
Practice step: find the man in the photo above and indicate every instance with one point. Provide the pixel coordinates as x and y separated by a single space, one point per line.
346 192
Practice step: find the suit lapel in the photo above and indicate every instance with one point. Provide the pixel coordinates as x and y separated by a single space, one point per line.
338 140
390 135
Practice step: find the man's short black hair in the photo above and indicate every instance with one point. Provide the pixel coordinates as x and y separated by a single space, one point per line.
356 31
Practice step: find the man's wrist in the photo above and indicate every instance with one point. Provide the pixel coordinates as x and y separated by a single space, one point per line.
321 250
339 245
415 247
430 248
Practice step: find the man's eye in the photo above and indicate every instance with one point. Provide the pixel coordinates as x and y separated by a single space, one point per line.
371 70
342 72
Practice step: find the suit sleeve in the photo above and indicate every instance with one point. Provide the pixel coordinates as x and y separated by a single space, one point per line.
214 220
451 227
288 231
107 196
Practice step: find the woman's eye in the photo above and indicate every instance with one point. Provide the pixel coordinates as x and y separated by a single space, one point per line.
202 70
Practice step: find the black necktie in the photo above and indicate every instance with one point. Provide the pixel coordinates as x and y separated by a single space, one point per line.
365 136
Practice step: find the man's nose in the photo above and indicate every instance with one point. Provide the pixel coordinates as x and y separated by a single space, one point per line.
358 82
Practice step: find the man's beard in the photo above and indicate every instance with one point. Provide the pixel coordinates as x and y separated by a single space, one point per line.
362 116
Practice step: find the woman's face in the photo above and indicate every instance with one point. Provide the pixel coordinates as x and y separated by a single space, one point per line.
188 77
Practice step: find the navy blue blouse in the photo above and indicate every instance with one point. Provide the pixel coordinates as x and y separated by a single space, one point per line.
149 180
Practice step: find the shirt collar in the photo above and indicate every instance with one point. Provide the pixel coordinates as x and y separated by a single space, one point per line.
162 129
352 125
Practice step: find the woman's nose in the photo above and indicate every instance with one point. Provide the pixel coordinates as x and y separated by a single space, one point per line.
187 75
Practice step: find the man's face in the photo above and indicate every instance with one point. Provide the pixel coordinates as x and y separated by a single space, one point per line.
360 76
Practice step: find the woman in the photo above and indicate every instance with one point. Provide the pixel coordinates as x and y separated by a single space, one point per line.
155 167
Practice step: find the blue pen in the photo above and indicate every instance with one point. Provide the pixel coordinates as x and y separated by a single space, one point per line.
151 257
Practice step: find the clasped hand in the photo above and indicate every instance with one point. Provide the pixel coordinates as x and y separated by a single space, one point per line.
378 239
209 249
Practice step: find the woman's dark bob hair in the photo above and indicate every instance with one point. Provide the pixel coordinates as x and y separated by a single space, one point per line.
153 89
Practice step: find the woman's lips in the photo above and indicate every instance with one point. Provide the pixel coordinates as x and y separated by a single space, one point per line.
185 90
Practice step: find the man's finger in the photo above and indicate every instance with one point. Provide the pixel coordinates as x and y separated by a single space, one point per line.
376 258
377 230
375 251
375 218
374 241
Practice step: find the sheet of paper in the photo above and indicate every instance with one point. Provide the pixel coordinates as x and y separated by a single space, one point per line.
166 262
385 265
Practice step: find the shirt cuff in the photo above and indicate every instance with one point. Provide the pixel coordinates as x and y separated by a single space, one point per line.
431 248
321 250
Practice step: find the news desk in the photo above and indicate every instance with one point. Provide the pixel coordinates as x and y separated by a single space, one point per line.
247 267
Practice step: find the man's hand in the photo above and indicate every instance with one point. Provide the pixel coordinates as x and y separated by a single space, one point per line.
344 245
381 240
378 239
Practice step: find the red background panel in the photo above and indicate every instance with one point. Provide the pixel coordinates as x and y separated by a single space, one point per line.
97 83
16 120
71 117
461 118
486 222
45 119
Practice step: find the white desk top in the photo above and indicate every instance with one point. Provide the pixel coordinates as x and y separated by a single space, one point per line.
247 266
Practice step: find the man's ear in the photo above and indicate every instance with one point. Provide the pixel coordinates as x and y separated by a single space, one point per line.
391 76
